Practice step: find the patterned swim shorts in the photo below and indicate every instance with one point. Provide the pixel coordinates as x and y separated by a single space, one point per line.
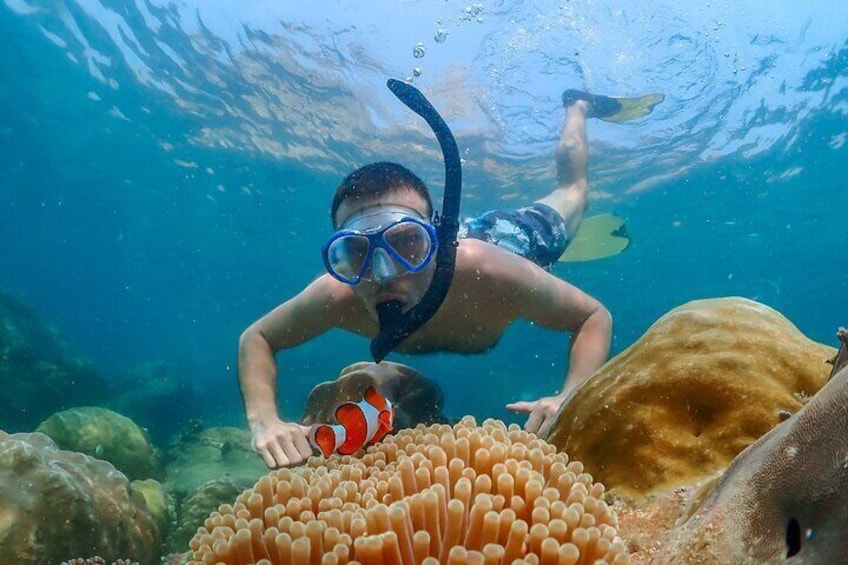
536 232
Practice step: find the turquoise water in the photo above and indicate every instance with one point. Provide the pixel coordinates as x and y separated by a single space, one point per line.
167 167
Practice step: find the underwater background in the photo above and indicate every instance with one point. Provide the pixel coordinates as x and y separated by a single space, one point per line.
167 168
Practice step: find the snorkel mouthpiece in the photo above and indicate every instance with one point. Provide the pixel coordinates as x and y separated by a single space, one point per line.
390 313
396 326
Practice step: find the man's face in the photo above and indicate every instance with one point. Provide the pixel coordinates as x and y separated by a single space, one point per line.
407 288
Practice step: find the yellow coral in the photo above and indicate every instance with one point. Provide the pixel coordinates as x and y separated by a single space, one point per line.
702 384
437 494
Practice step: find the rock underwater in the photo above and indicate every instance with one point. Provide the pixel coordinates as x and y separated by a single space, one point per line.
703 383
710 383
57 505
417 399
785 498
105 434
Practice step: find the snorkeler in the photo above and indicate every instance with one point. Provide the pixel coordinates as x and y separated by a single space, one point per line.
382 259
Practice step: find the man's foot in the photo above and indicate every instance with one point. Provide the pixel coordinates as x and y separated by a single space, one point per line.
613 109
600 106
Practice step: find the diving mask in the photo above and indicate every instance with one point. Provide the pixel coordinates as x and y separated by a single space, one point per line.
380 245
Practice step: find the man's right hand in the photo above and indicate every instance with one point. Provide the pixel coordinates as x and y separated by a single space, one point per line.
281 444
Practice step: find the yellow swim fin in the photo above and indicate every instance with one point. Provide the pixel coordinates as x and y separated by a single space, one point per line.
612 108
632 108
597 237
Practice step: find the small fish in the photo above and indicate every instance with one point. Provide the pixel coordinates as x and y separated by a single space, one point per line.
359 424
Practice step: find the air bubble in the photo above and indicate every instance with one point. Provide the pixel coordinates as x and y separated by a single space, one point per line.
441 35
472 12
419 51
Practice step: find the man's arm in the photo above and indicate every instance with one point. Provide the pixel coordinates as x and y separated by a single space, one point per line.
590 345
554 304
312 312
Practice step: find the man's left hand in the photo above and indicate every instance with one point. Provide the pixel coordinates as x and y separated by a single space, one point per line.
542 413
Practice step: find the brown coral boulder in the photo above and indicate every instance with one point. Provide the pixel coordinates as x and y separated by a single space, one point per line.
417 399
785 497
107 435
704 382
56 505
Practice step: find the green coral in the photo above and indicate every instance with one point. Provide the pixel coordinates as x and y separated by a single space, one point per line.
107 435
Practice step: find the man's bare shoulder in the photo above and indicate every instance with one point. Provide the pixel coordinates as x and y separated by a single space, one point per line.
336 300
492 265
340 303
324 303
325 288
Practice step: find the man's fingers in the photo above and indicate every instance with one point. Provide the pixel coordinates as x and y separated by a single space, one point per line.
268 458
533 422
546 426
522 406
279 455
281 444
292 453
302 444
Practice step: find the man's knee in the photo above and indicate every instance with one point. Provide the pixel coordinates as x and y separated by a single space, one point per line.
570 146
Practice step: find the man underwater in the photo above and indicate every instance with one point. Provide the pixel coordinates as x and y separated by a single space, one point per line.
383 251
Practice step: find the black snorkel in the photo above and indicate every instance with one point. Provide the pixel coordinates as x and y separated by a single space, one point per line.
396 326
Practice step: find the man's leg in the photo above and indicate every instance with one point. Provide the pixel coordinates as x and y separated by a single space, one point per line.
570 198
537 234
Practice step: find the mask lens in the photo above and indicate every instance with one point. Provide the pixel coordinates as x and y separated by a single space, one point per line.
346 255
411 241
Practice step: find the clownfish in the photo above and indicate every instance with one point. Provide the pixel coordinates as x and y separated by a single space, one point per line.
359 424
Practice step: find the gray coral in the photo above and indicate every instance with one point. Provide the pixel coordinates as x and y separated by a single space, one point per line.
57 505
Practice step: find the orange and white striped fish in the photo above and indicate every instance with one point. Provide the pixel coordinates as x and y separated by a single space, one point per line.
359 424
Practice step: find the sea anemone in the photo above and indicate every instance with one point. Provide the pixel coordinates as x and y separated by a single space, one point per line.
437 494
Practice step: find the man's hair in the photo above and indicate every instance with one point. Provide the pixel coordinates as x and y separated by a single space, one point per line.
375 180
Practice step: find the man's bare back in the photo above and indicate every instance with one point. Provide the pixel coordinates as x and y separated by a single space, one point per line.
483 301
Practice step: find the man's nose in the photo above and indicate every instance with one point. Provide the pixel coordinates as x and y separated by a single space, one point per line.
382 266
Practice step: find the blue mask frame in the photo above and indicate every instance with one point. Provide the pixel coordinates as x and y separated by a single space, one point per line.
377 240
